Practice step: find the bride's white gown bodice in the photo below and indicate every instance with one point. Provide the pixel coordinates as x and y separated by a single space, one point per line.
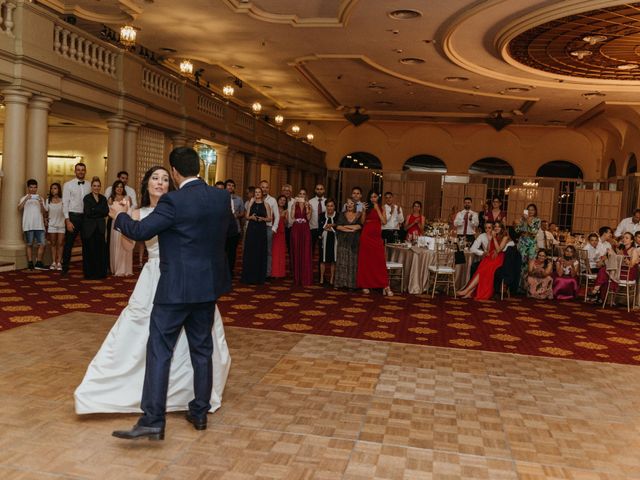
114 379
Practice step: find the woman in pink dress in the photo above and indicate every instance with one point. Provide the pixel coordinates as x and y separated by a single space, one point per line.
565 284
278 244
372 264
299 215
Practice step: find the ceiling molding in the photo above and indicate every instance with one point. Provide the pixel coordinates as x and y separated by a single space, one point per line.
128 11
249 8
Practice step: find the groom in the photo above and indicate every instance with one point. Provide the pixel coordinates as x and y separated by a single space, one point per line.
191 224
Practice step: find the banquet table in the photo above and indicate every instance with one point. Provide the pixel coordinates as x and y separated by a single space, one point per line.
416 261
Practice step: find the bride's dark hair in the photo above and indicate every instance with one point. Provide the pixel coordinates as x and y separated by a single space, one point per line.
145 199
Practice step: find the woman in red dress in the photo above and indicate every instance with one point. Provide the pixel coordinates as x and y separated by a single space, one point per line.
482 281
414 225
299 215
279 247
372 264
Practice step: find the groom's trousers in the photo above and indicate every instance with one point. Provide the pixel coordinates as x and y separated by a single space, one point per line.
167 321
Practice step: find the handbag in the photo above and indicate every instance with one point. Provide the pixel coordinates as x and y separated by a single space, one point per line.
459 256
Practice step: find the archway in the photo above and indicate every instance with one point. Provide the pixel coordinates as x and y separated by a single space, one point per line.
612 171
559 169
632 164
425 164
491 166
565 188
359 169
363 160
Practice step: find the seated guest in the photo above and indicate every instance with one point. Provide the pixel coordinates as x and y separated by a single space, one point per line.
480 247
630 224
539 279
628 271
591 247
545 238
565 285
414 225
482 281
509 272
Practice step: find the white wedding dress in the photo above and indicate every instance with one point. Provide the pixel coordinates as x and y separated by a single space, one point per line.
114 378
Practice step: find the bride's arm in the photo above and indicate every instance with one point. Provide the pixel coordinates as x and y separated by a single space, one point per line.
127 243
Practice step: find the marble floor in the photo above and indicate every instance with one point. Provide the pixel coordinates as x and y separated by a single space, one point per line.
311 407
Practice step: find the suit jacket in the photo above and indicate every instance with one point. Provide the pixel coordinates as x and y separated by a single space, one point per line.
95 214
191 225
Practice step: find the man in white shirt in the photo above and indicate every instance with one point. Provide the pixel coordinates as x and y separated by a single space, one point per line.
604 244
593 254
73 193
233 236
32 207
480 247
630 224
545 239
395 218
466 222
131 193
318 209
271 226
356 196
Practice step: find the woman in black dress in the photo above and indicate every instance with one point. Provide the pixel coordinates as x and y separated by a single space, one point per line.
328 243
254 256
348 229
94 245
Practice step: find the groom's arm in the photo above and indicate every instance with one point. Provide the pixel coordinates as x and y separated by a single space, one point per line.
157 221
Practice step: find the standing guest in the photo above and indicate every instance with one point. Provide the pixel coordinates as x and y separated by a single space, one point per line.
94 246
33 209
235 229
254 255
287 191
348 236
466 222
249 197
480 247
120 258
55 224
317 210
395 218
123 176
328 242
73 194
630 224
219 185
414 225
539 279
495 213
629 264
272 224
482 281
301 240
545 238
356 196
372 263
591 248
279 250
528 229
565 285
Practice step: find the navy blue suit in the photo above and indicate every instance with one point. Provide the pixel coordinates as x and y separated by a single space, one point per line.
191 225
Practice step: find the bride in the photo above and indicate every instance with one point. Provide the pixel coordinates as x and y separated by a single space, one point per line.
115 376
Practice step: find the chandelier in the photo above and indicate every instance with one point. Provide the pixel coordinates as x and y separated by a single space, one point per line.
186 67
530 184
128 36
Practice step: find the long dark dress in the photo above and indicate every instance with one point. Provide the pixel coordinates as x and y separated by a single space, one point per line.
94 244
301 247
372 264
254 255
347 258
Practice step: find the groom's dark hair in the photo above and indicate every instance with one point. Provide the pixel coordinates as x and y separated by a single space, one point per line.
186 161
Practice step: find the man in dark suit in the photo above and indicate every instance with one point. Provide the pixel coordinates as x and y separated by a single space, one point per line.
191 224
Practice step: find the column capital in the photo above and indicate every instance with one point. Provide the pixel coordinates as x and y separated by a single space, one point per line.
15 95
133 126
40 102
116 122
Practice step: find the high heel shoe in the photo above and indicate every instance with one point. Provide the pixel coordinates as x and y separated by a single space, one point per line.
365 291
388 292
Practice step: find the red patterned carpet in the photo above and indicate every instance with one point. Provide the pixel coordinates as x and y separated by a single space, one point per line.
552 329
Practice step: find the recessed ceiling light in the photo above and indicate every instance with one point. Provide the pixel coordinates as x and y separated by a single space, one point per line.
404 14
168 50
469 106
580 54
628 66
555 122
394 31
589 95
593 39
384 103
411 93
456 79
518 89
411 61
235 65
397 50
67 124
571 109
268 87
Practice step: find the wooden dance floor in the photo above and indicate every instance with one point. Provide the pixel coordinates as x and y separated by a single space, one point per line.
302 406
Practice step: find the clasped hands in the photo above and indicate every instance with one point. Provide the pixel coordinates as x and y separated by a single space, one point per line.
121 206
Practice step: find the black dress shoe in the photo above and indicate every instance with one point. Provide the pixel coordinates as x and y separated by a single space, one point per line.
138 431
198 423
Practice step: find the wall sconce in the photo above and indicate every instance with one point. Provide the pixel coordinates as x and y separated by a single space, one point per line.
186 67
278 119
256 108
228 91
128 36
295 129
310 137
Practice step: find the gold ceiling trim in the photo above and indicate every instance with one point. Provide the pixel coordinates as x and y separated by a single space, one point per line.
129 11
346 7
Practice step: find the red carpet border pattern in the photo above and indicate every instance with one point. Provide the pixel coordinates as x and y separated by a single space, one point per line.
552 329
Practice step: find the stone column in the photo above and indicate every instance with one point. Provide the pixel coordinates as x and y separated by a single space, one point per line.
131 151
115 149
252 172
14 156
38 140
179 140
224 167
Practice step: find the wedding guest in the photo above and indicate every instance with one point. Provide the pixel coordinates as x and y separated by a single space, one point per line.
328 242
480 247
33 209
495 213
272 224
395 218
509 272
628 271
94 246
356 196
565 284
414 225
55 224
287 191
372 263
545 238
120 258
73 193
637 239
249 196
482 281
220 185
466 222
539 279
629 224
233 237
299 216
123 176
593 255
348 235
254 255
317 210
279 248
528 230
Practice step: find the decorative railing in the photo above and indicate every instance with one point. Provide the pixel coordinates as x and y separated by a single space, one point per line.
6 17
211 107
245 121
83 50
157 83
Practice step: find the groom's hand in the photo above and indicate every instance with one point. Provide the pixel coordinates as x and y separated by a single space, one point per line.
117 208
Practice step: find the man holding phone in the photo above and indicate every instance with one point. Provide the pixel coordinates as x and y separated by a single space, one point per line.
32 208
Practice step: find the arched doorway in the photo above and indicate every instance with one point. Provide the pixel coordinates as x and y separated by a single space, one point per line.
425 164
496 174
361 160
359 169
560 169
632 164
491 166
612 171
565 177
